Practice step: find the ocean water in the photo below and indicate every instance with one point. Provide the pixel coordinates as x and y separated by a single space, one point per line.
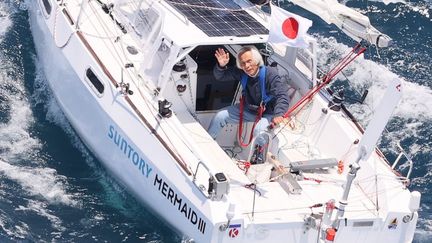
53 189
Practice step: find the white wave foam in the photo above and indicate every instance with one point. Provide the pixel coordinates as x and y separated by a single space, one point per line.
416 99
15 139
5 21
17 144
410 115
423 235
389 1
422 9
43 182
41 209
12 228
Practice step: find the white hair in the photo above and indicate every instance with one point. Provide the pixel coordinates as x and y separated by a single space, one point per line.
255 55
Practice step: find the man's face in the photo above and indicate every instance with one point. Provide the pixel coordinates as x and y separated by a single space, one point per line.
248 64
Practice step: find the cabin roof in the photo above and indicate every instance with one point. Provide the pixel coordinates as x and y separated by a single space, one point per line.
213 22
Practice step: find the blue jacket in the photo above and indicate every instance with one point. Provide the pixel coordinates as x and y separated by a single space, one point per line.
275 87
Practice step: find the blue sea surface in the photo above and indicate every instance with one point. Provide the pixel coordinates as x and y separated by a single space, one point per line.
53 189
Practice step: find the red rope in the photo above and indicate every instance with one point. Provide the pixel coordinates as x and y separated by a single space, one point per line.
257 118
244 165
312 179
353 54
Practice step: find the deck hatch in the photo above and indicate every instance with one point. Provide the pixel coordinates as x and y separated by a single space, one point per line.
219 17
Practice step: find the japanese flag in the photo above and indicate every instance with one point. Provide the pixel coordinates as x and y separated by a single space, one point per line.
288 28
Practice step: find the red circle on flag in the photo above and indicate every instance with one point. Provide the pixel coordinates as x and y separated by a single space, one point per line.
290 28
233 232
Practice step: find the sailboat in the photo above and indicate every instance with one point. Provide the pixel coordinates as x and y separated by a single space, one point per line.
135 80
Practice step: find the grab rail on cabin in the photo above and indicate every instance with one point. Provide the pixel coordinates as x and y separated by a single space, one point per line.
402 153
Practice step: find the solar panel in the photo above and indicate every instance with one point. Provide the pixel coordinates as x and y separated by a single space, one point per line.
219 17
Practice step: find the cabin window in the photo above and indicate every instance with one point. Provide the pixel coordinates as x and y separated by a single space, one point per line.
211 94
94 80
47 6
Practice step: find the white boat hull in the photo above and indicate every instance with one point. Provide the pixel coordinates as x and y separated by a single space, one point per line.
132 160
126 143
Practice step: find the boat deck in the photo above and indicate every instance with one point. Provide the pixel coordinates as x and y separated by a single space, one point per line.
135 47
273 203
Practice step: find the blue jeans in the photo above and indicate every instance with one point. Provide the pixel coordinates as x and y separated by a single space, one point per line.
231 114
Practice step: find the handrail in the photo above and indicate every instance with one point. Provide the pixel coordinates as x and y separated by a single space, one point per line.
408 158
196 170
201 189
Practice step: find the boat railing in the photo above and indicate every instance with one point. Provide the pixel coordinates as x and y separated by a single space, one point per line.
409 161
218 184
196 170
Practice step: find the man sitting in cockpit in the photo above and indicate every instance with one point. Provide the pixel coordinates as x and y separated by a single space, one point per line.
264 98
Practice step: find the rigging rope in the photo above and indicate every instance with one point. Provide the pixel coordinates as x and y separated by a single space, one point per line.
258 116
356 51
